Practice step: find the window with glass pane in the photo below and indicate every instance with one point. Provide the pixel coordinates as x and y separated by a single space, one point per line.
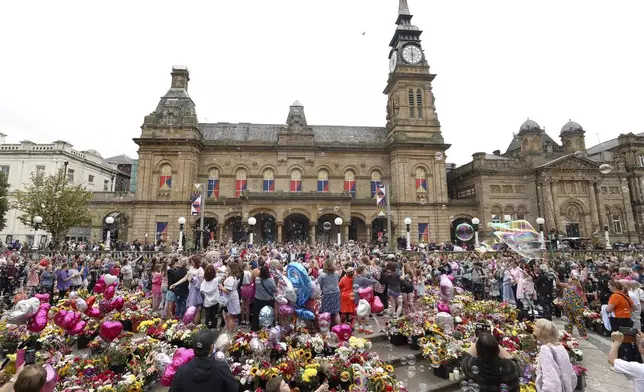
296 181
641 160
376 179
106 185
617 224
90 179
268 183
323 181
240 182
213 183
350 183
40 171
70 175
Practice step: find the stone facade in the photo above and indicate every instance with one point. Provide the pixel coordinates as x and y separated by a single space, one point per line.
578 192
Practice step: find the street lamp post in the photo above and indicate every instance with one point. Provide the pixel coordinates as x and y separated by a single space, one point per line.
251 222
109 220
37 222
338 222
182 221
607 236
541 222
408 227
475 226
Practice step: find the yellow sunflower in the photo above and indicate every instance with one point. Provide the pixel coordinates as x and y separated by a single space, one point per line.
432 340
389 368
254 371
308 355
300 353
441 353
344 376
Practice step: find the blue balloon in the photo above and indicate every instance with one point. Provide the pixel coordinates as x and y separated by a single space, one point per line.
297 274
305 314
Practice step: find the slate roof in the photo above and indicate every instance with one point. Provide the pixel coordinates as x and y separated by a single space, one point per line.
120 160
268 133
605 146
516 143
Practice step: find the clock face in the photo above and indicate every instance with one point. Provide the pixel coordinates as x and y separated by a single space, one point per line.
412 54
393 60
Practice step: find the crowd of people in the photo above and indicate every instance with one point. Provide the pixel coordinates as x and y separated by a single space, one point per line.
230 284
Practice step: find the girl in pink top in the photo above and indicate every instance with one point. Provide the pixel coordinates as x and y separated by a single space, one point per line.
156 287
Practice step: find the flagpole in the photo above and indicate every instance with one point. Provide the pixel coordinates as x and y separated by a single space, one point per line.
203 208
388 198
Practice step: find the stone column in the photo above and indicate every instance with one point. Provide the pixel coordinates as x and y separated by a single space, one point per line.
555 205
345 235
280 225
600 206
368 233
629 222
220 233
548 206
594 218
312 230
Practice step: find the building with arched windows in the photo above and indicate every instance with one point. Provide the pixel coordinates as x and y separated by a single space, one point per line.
296 178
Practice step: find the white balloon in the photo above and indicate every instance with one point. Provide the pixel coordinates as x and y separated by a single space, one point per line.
109 279
364 309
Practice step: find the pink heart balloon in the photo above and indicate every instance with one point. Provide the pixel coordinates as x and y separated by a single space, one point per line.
117 303
189 315
99 288
60 317
366 293
78 328
109 292
346 332
93 312
39 321
377 306
286 310
110 330
69 321
44 298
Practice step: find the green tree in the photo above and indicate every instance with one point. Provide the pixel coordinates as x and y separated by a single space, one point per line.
4 203
60 204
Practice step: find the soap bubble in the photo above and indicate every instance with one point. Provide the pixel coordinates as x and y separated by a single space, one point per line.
411 374
605 168
465 386
410 340
503 388
322 154
439 156
578 154
327 225
320 210
422 201
434 361
421 368
476 387
411 359
475 369
403 361
464 232
519 236
422 387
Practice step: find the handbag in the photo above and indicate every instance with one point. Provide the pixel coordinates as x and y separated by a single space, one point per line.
262 282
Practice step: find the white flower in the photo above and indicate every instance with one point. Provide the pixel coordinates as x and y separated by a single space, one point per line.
242 381
458 319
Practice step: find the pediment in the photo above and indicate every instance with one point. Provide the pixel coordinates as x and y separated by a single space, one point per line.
571 163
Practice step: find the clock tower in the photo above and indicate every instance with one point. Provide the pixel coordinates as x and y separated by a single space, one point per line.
414 142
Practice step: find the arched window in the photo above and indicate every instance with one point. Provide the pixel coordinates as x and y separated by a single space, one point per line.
296 181
376 180
240 182
508 214
522 213
421 180
165 179
496 214
213 183
411 103
323 181
419 103
350 183
268 184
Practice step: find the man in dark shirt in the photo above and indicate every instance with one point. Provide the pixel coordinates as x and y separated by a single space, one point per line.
544 286
203 372
181 290
603 292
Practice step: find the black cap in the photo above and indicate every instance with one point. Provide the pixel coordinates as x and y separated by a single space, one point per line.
202 342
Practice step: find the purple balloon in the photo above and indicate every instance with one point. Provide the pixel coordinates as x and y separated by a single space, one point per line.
287 310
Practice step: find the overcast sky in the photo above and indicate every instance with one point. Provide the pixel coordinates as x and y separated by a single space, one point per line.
88 74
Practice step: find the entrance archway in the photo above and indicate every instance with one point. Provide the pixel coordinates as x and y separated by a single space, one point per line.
265 229
234 229
210 230
455 240
358 230
379 230
296 228
328 235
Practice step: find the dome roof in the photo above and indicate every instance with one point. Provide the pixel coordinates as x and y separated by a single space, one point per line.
529 125
572 126
94 152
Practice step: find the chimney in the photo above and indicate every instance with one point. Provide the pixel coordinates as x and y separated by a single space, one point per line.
497 152
180 77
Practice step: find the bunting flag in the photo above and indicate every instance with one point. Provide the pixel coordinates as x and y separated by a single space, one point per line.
213 188
195 200
165 182
162 231
381 200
